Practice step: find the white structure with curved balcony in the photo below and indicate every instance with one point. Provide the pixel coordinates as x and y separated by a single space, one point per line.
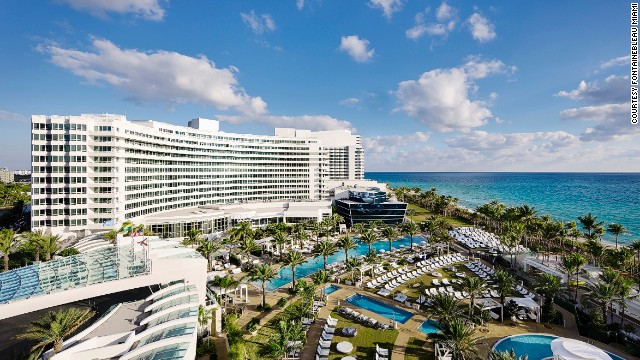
93 172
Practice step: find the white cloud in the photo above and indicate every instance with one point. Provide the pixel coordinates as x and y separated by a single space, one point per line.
160 75
12 117
356 48
440 97
500 144
481 28
147 9
619 61
349 101
614 88
300 4
258 23
605 112
309 122
446 16
390 145
445 12
613 121
388 7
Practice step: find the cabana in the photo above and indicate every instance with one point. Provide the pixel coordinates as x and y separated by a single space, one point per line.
531 261
526 303
488 304
571 349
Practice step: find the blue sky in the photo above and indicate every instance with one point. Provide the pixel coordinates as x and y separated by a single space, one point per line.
430 85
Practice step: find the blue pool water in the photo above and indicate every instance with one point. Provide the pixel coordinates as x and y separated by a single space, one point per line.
429 327
536 346
373 305
331 289
313 265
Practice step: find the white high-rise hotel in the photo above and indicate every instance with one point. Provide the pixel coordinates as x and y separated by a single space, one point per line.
92 171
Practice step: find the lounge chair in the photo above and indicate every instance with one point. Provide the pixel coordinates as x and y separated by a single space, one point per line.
329 330
382 351
321 358
331 321
325 344
326 337
322 352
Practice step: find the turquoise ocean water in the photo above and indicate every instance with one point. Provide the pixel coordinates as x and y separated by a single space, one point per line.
564 196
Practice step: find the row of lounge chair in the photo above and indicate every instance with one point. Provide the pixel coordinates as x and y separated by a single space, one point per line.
361 318
381 353
324 343
398 277
474 238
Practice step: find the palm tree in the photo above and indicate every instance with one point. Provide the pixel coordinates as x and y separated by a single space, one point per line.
506 355
264 274
289 336
111 235
369 237
458 337
321 277
617 230
410 228
293 259
359 228
549 285
204 316
352 265
249 245
280 239
55 326
604 294
325 248
126 227
573 263
390 233
193 237
411 213
505 283
50 246
444 307
635 245
590 223
474 286
314 226
34 242
242 230
624 292
207 249
7 244
347 243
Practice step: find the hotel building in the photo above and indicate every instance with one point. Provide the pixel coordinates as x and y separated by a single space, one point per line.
92 172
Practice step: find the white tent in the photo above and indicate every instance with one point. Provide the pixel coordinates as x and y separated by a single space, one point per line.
571 349
488 304
527 303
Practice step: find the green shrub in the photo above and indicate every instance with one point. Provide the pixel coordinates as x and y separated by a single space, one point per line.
69 252
234 260
281 302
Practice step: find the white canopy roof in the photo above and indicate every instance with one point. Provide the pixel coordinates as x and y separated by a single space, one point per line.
487 303
524 302
571 349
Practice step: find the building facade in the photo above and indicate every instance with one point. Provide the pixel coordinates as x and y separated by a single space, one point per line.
360 205
93 172
6 176
343 149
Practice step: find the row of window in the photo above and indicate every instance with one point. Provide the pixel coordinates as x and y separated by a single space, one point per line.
59 180
61 222
59 137
59 169
65 148
102 128
66 127
198 186
215 192
59 201
58 191
56 212
61 158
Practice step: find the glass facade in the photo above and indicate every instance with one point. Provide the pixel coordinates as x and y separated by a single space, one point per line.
367 206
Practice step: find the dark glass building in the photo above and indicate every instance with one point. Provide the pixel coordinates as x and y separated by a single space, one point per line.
366 205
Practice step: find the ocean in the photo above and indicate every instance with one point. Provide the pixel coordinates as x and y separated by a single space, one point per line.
612 197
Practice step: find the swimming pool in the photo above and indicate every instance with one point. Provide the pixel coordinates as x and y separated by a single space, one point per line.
380 308
331 289
429 327
312 264
536 346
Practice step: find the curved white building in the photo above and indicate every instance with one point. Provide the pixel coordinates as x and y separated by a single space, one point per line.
95 171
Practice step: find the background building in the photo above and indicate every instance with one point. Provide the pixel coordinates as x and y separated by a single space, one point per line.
93 172
6 176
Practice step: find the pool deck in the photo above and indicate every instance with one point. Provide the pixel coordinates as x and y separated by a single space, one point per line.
410 330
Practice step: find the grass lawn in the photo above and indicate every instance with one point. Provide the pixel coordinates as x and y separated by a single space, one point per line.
423 214
415 350
254 345
364 343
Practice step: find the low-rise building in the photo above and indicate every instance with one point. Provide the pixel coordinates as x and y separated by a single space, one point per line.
363 205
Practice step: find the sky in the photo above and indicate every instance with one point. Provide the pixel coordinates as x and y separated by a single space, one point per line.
429 85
